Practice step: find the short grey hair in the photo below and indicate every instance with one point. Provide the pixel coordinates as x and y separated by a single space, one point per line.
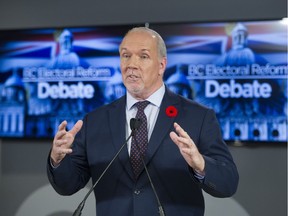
161 46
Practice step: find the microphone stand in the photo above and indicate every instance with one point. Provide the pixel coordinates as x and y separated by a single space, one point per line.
134 125
161 210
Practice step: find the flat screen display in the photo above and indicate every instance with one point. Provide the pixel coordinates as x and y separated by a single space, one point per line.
237 68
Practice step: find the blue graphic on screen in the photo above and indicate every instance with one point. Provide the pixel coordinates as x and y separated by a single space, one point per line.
238 69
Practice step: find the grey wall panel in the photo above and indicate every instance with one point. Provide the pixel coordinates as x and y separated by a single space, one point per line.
55 13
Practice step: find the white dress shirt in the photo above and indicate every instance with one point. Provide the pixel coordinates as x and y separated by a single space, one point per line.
151 111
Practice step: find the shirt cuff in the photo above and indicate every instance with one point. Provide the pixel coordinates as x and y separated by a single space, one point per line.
198 176
51 164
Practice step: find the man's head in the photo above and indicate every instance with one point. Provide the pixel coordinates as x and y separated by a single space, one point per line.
143 61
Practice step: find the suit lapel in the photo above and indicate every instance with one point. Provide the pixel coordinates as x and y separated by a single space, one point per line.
117 121
163 125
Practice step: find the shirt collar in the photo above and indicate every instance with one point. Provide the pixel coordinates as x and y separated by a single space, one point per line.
155 98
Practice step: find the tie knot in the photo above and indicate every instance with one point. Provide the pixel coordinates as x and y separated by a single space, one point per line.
141 105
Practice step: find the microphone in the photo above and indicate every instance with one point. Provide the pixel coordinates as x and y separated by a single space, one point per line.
134 125
160 208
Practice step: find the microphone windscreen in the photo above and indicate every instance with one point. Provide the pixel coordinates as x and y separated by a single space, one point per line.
135 123
132 123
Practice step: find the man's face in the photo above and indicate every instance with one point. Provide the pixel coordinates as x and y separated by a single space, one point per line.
142 68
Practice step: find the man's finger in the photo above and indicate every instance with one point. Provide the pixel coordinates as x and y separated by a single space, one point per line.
76 127
174 137
60 134
66 151
62 126
180 130
182 137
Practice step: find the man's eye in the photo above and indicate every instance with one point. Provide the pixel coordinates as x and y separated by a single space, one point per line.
125 55
144 56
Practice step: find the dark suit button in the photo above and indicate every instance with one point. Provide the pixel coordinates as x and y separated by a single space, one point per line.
137 192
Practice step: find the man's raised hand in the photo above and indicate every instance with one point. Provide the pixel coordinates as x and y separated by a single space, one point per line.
63 140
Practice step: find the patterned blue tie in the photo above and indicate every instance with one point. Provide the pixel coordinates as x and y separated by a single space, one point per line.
140 140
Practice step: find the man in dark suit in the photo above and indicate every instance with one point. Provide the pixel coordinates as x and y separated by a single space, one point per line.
182 158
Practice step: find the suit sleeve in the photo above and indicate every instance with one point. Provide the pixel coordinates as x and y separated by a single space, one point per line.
221 175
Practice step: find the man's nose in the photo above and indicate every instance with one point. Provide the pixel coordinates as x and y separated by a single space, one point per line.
133 61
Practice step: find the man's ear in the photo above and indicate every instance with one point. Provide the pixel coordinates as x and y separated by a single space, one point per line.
163 64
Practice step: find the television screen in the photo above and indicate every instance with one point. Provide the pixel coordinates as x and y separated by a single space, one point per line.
237 68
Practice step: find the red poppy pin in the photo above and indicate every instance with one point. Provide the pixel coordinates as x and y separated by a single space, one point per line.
171 111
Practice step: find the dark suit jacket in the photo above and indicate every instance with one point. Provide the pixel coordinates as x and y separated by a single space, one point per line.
117 193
